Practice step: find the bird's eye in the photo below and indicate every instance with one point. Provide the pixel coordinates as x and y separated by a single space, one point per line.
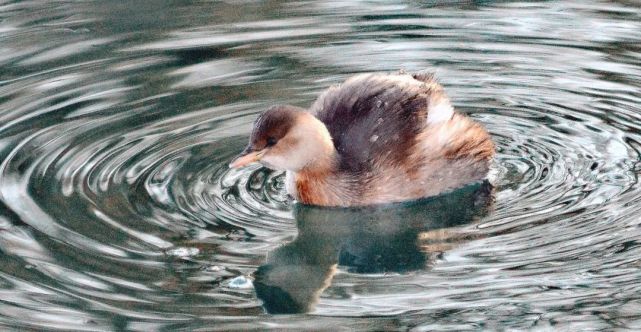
271 141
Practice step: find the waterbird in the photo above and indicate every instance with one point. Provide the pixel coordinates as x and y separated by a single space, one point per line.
376 138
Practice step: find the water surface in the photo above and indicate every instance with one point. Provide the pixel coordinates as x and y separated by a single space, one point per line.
118 211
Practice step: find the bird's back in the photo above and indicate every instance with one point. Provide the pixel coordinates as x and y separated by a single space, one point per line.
376 118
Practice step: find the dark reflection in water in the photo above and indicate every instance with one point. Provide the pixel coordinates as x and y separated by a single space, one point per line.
396 238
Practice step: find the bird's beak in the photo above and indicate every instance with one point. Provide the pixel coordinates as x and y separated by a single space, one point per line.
246 158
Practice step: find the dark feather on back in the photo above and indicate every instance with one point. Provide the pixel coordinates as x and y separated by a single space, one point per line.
371 113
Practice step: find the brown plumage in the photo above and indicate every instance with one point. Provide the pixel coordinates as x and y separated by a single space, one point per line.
377 138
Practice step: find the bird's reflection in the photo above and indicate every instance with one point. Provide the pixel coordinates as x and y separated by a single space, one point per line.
376 239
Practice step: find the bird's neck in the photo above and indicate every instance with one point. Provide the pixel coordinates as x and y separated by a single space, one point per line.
315 182
324 158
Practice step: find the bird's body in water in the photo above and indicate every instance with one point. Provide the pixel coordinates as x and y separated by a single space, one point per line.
376 138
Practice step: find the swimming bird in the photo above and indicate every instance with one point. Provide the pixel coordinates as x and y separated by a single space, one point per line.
376 138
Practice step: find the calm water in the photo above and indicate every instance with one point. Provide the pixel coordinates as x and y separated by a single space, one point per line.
118 211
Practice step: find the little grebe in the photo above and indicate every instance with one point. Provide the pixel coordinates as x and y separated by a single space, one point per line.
377 138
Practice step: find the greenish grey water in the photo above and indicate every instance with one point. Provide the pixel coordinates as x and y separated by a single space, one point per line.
118 211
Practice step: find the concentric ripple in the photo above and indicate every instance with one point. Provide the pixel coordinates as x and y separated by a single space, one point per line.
118 210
